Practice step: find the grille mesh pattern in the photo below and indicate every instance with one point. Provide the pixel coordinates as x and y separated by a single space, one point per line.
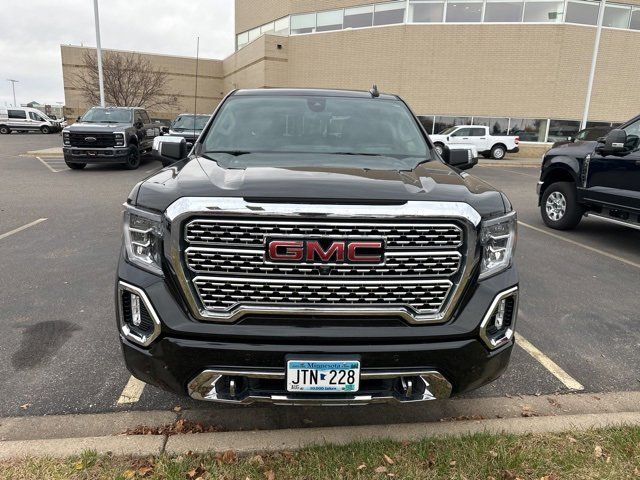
103 140
222 294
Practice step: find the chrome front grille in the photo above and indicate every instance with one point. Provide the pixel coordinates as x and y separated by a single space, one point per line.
247 233
224 263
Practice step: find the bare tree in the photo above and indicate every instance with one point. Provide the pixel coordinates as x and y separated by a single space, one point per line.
129 80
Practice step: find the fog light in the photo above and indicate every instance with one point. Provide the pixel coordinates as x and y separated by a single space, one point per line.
136 317
499 321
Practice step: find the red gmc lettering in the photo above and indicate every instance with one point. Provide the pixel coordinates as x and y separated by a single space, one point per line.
292 250
315 250
353 255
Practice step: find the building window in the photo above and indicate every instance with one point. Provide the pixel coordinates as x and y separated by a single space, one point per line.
529 130
635 19
425 12
464 12
584 13
389 13
281 26
358 17
329 21
243 39
497 126
543 12
560 130
616 16
253 34
266 28
303 23
503 11
441 123
427 122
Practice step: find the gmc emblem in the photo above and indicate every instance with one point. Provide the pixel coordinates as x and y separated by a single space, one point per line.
324 251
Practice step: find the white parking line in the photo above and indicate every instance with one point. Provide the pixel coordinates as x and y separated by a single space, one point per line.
566 379
47 165
586 247
24 227
132 391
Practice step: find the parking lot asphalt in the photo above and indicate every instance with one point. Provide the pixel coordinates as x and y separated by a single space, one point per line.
58 338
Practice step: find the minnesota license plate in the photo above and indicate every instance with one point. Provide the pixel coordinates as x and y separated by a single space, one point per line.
340 376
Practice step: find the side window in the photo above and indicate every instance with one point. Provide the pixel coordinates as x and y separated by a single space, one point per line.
463 132
477 132
17 114
633 136
137 117
36 117
145 117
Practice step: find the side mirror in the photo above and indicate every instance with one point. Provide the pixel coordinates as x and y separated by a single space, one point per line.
614 142
164 130
169 149
78 119
138 125
462 158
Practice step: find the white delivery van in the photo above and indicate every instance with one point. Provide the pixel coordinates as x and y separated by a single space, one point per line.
26 119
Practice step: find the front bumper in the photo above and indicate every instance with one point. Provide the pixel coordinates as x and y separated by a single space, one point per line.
96 155
202 359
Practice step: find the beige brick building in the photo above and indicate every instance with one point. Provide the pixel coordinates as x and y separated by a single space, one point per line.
518 65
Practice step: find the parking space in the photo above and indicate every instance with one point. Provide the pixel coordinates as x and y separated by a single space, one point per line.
60 236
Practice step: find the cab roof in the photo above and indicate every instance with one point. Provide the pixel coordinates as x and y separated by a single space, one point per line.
311 92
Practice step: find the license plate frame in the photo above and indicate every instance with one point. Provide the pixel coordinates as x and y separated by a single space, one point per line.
320 373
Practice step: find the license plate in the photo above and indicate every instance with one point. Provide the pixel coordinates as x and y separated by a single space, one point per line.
323 376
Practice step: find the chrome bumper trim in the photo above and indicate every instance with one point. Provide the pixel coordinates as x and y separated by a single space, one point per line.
203 387
494 343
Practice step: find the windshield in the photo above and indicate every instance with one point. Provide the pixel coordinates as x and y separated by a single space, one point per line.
190 122
447 131
107 115
365 129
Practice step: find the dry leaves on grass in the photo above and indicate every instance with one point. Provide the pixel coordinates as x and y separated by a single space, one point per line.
181 426
196 473
462 418
388 459
269 475
381 469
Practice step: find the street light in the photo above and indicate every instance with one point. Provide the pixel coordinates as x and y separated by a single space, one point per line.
594 61
98 51
13 86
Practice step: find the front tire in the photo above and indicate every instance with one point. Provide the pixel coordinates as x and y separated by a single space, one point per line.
45 129
498 152
559 208
439 148
4 130
75 166
133 160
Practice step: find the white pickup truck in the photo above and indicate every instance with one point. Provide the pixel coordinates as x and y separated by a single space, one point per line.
494 146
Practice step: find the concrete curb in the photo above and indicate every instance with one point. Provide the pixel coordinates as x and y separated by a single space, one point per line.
66 435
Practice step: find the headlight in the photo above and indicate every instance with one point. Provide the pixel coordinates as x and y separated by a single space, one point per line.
143 238
119 139
66 138
498 239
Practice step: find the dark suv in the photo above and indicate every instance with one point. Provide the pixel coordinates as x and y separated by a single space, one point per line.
109 135
315 248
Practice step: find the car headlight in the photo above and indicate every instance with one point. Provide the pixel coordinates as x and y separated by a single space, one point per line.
498 240
119 139
143 238
66 140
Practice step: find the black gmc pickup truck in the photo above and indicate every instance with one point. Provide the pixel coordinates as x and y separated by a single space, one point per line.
109 135
314 248
599 179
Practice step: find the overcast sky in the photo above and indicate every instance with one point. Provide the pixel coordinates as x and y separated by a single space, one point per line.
31 32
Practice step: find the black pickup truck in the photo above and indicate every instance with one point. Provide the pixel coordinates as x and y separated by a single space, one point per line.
313 247
598 179
109 135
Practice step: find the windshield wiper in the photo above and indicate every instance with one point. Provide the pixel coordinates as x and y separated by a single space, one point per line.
235 153
357 154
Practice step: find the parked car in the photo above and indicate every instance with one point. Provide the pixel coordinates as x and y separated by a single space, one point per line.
109 135
588 134
189 126
313 247
494 146
26 119
599 179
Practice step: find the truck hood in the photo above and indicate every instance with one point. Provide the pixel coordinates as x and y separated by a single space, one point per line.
578 149
432 181
96 127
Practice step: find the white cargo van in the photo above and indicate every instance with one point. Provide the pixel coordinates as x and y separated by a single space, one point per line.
26 119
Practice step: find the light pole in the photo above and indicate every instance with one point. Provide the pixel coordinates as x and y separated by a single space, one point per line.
98 51
13 86
594 61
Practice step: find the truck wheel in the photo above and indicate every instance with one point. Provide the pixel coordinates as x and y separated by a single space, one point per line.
498 152
45 129
439 148
75 165
559 207
133 160
4 130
